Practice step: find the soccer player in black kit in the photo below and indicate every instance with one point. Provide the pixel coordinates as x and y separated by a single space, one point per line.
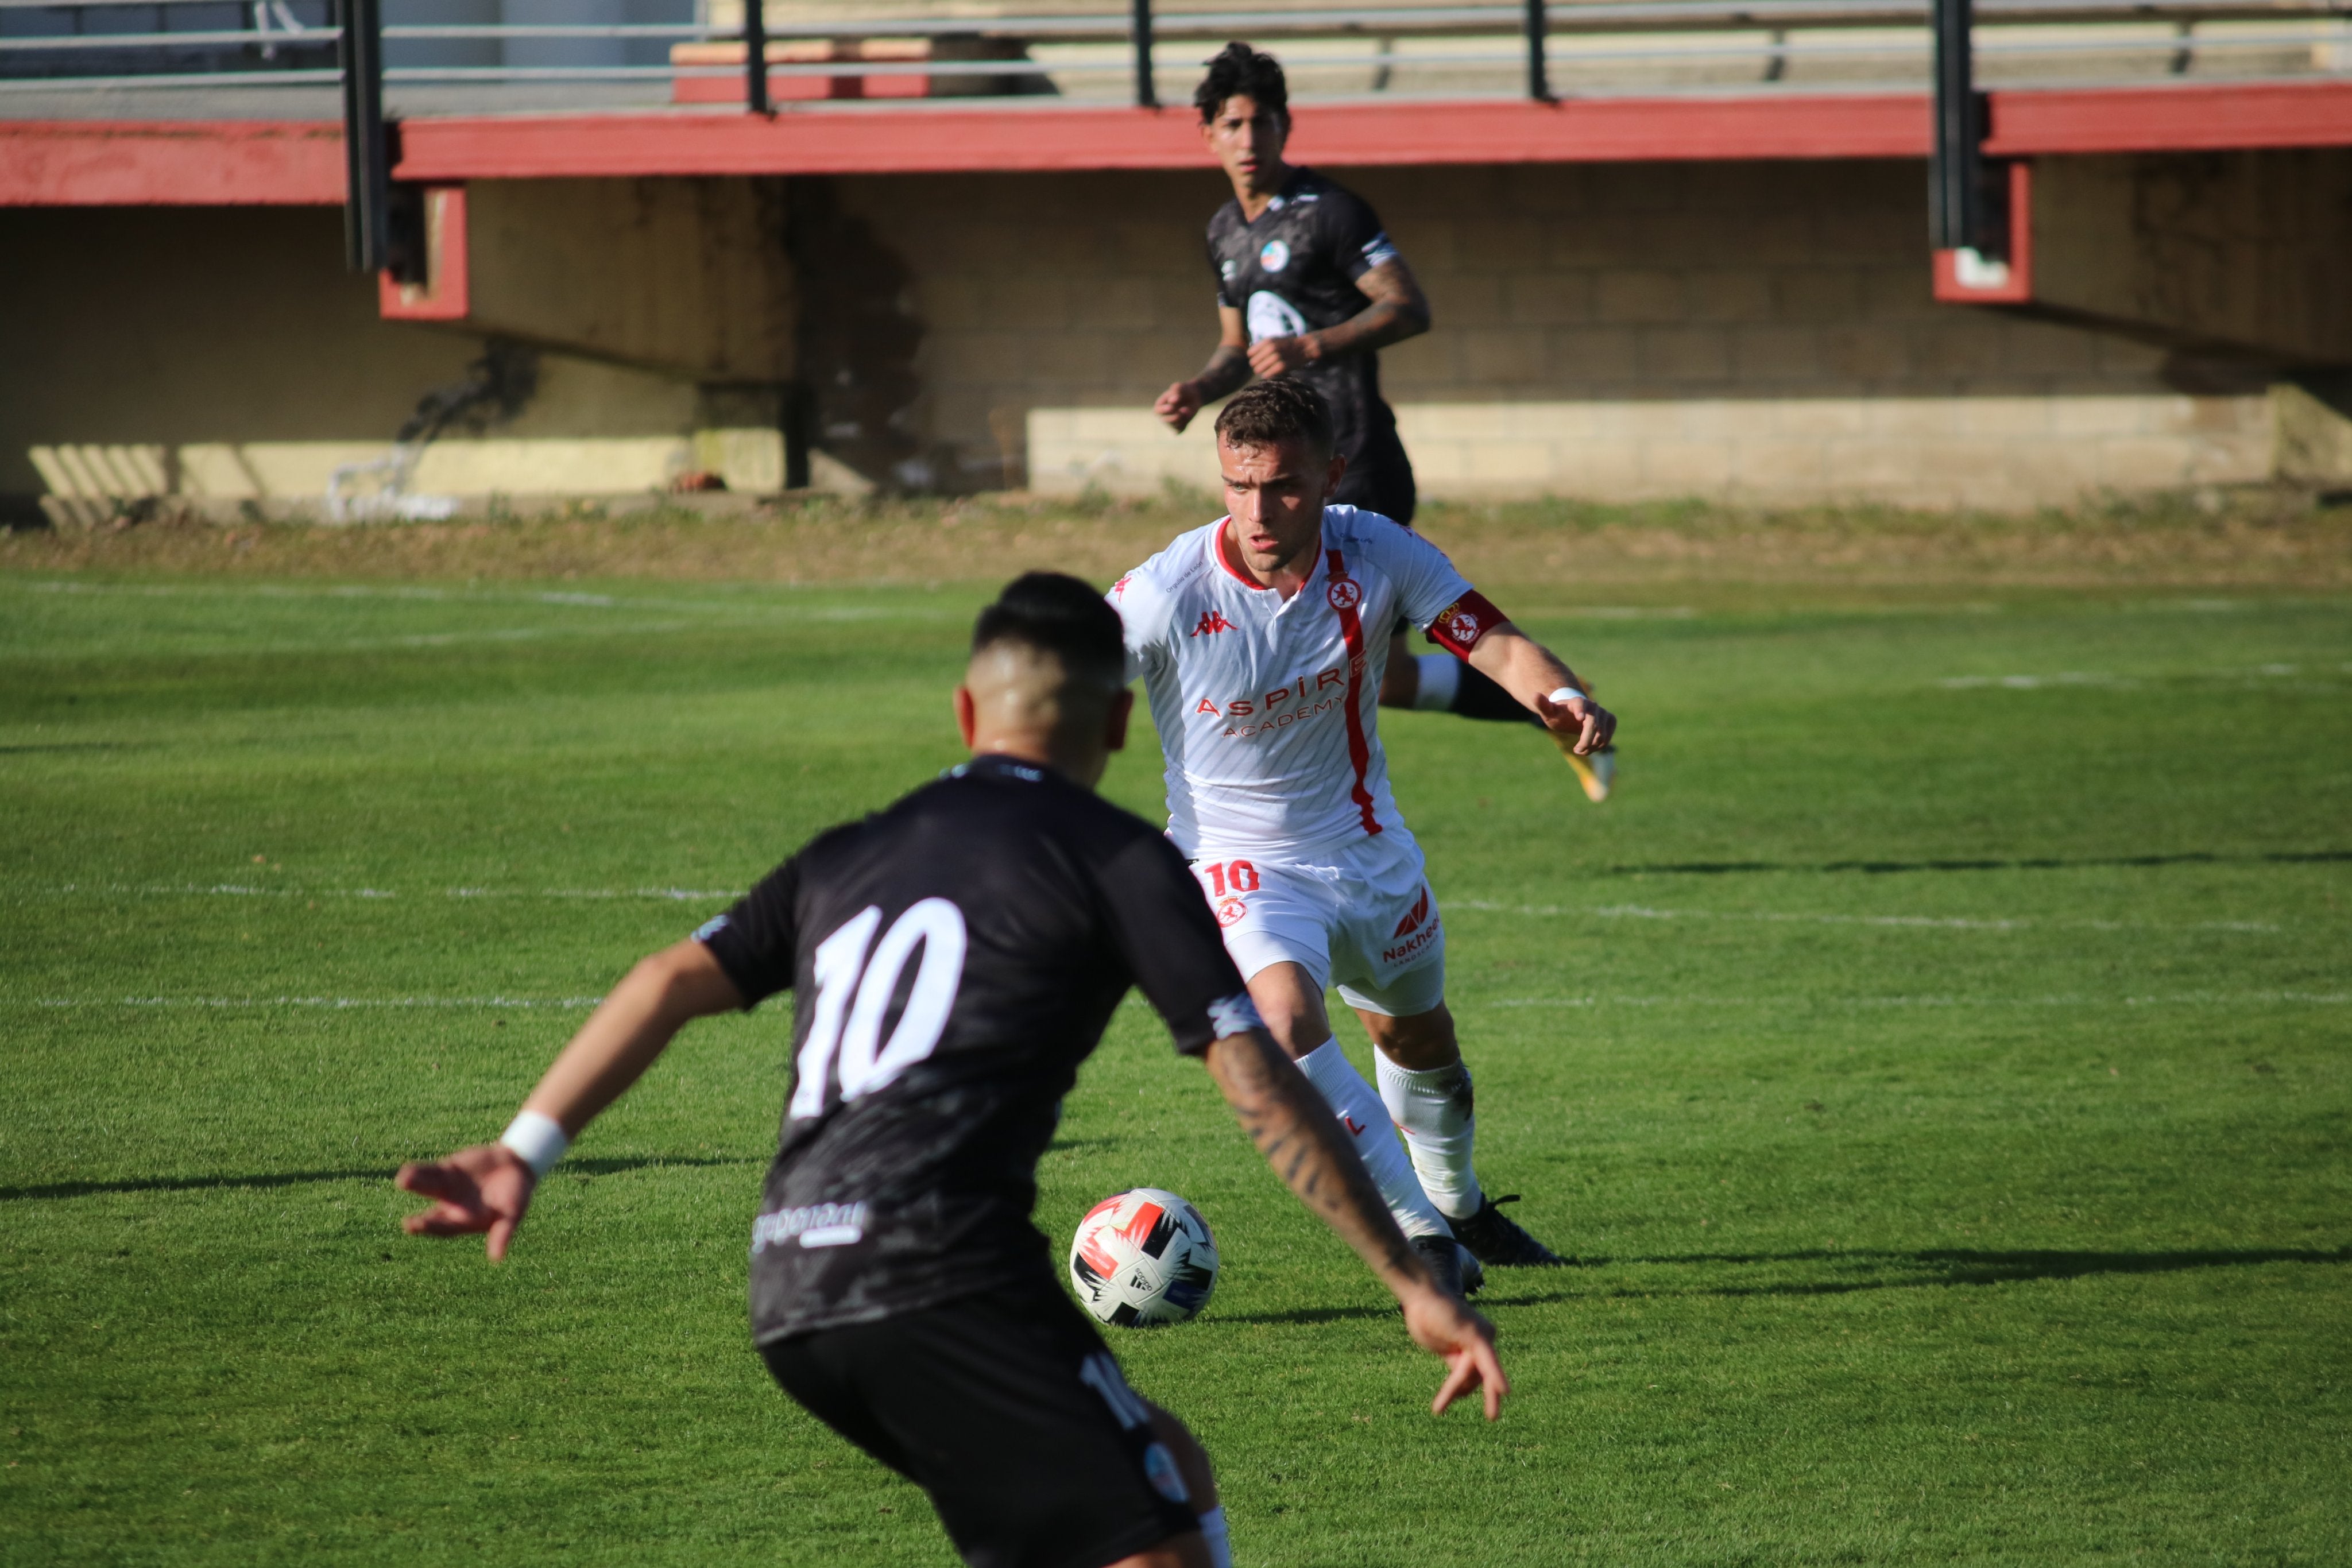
955 957
1309 285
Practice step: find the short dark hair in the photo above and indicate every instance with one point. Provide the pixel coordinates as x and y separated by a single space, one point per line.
1055 614
1268 414
1239 70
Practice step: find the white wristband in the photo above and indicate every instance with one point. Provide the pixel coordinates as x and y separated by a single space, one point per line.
1567 695
538 1139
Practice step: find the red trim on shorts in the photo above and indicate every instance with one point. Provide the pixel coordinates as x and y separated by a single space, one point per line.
1461 625
1360 750
1217 549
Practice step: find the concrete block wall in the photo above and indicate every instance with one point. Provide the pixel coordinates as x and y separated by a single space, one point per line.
222 357
1759 332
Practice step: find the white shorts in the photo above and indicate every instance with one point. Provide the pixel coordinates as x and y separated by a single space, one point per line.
1361 915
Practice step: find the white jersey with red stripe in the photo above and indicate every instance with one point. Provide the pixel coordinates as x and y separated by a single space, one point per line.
1267 706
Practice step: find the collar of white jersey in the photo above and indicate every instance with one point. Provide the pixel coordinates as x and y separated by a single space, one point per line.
1321 570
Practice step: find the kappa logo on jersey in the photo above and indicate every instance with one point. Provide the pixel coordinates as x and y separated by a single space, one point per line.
1274 257
1345 593
1413 916
1230 909
1211 622
1119 589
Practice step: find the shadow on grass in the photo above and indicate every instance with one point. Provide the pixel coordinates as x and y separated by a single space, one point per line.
1884 1270
1876 868
587 1167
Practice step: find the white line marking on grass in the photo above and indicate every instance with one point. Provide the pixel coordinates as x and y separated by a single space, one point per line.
1613 613
1550 911
1897 922
2032 683
446 596
559 1003
2184 999
234 889
2119 682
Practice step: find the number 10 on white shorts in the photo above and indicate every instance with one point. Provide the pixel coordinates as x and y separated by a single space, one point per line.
1362 917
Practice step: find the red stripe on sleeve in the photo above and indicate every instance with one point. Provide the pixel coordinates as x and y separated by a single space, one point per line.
1459 626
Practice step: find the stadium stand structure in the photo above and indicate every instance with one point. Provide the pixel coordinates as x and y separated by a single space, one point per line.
1673 246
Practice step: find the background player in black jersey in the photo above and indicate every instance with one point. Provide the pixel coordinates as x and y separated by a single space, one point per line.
1309 285
955 957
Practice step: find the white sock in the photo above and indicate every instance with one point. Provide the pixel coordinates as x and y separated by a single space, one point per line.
1434 1110
1221 1544
1361 1112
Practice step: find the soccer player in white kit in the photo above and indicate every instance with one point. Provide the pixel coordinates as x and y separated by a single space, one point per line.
1261 641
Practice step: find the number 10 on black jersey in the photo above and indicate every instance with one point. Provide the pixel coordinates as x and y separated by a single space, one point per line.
856 978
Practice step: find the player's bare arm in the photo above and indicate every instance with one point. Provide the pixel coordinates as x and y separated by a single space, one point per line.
486 1188
1294 1129
1227 372
1531 673
1398 310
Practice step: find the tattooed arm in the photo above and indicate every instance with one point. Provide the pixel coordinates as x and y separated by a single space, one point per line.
1294 1129
1227 369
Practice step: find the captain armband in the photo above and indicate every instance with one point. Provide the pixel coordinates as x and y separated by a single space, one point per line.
1459 627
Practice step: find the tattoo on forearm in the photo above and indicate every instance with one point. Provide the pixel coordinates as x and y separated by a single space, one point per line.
1298 1137
1227 369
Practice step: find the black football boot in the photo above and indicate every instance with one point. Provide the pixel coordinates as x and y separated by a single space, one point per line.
1494 1240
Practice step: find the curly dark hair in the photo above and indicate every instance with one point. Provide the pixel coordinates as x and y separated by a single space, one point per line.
1271 412
1240 69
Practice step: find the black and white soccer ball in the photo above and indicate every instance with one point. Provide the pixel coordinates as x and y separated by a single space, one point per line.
1142 1257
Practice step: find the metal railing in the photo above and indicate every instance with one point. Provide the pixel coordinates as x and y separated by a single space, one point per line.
249 50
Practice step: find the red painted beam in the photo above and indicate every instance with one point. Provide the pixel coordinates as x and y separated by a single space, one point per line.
906 140
151 163
233 163
2172 118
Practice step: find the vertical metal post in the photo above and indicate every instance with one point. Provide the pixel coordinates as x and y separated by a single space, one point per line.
367 164
1955 171
755 55
1539 67
1139 27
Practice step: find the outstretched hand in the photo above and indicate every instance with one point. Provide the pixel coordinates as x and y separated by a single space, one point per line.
1445 1325
1583 726
1177 405
486 1188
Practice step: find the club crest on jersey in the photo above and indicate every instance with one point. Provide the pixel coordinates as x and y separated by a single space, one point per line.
1230 910
1211 622
1274 256
1457 623
1345 593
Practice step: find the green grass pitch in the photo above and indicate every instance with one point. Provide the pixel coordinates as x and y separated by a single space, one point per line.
1938 1055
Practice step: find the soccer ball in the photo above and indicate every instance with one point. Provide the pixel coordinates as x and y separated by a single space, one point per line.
1143 1257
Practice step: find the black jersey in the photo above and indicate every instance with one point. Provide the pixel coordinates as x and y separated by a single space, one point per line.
1294 270
956 958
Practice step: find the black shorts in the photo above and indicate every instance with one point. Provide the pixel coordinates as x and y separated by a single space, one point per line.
1009 1411
1379 479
